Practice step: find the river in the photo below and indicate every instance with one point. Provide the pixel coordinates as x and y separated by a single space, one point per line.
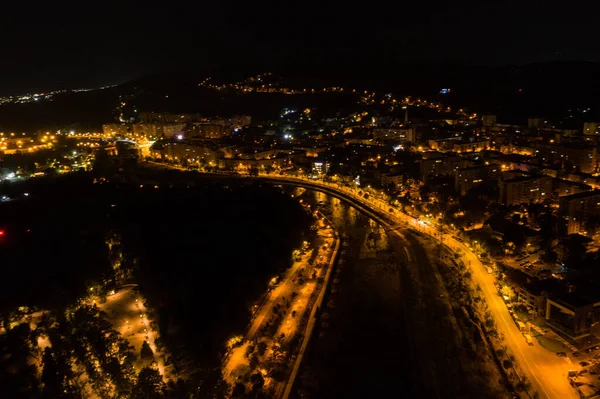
387 329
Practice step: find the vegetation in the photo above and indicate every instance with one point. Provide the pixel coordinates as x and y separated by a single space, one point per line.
175 240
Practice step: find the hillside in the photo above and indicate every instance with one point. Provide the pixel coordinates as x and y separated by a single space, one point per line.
513 93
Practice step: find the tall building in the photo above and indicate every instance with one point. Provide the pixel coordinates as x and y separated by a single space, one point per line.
525 189
591 128
580 213
467 178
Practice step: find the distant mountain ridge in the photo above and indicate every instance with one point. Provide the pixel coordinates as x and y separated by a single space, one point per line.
513 92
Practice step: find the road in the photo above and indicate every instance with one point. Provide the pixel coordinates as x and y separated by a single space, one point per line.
388 326
283 289
311 321
128 314
547 372
236 357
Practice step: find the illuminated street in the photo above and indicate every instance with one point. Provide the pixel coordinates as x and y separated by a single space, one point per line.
294 289
319 202
127 313
546 371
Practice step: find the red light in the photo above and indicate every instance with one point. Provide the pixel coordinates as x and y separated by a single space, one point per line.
1 233
520 90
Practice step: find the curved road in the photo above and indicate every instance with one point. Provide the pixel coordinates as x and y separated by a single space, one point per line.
546 372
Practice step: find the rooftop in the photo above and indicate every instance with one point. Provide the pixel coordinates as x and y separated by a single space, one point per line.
574 300
533 285
585 194
525 178
479 167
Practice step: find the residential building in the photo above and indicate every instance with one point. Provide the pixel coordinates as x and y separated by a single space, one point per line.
561 187
320 167
155 131
471 145
399 135
525 189
170 130
591 128
572 157
436 164
457 144
209 130
467 178
117 129
279 161
239 121
573 314
186 152
446 144
580 213
531 291
397 179
149 131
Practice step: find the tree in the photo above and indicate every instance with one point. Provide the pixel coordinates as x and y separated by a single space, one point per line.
101 163
592 224
50 375
424 192
238 390
523 385
548 231
257 381
261 347
149 385
146 351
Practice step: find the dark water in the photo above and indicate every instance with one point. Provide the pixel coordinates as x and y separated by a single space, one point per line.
386 330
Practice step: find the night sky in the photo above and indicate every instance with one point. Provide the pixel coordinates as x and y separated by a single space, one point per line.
58 44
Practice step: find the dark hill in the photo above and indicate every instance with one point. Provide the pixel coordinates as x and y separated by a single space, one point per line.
513 93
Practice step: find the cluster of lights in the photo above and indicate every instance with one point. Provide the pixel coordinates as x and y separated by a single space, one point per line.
256 84
35 97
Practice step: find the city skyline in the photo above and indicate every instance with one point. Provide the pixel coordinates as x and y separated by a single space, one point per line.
292 201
